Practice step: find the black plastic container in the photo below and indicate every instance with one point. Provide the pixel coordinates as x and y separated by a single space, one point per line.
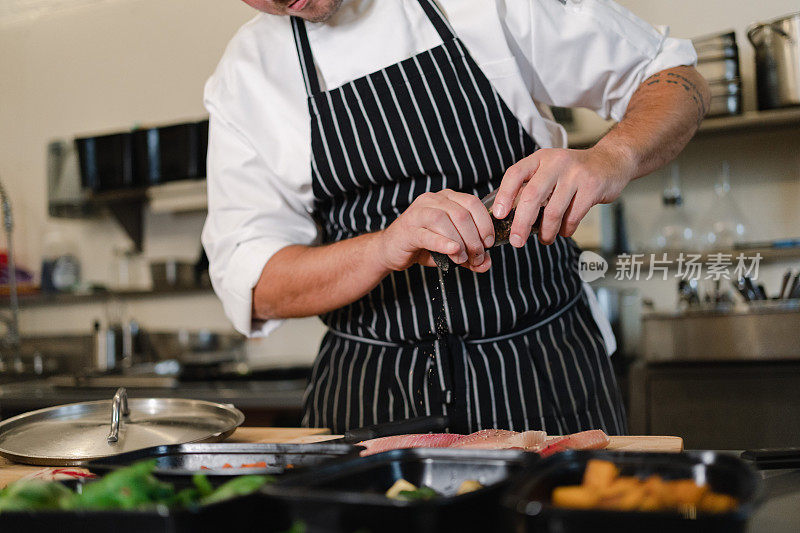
106 161
176 464
184 460
170 153
348 495
528 500
248 513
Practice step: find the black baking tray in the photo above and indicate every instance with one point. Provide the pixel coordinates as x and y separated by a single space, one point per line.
348 494
528 501
183 460
768 458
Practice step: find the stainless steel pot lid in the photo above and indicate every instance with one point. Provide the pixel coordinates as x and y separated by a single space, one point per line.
75 433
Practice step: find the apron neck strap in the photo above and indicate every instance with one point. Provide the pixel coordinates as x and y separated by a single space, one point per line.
437 19
306 57
310 77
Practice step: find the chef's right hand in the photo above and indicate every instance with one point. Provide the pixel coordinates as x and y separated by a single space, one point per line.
449 222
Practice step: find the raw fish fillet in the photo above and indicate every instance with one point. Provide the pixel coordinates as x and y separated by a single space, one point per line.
500 439
491 439
420 440
594 439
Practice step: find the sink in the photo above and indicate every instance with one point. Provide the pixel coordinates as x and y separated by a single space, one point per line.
766 331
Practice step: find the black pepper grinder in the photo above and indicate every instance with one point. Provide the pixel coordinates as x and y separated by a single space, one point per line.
502 229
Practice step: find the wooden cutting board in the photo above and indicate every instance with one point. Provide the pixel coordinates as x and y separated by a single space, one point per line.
646 443
632 443
265 434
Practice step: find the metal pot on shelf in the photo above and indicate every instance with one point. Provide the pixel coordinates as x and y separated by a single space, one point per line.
777 46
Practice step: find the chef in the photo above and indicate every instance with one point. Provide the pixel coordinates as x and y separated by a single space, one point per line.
351 138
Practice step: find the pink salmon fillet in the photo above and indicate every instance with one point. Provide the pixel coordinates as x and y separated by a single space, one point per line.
594 439
499 439
421 440
487 439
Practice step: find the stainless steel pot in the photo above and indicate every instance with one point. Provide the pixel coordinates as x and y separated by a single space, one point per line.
777 45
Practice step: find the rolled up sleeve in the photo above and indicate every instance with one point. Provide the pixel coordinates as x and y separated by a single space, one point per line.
595 53
251 215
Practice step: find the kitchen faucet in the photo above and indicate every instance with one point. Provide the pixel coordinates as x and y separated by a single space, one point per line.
11 341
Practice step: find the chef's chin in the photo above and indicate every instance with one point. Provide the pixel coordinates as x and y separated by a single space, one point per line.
318 10
310 10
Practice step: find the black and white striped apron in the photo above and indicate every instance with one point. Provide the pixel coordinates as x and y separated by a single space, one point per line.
517 347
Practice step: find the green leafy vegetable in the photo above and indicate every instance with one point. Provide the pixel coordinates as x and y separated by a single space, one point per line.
134 487
203 485
240 486
297 527
421 494
127 488
35 494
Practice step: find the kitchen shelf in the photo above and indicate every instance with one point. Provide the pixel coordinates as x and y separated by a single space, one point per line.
127 205
751 121
185 196
43 299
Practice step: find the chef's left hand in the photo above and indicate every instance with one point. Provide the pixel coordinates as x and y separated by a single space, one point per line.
567 182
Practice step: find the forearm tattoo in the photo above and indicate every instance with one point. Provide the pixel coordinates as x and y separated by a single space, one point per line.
691 89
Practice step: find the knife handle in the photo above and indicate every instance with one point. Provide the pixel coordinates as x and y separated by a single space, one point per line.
423 424
766 458
794 292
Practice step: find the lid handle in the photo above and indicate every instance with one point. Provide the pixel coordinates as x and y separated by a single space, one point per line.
119 408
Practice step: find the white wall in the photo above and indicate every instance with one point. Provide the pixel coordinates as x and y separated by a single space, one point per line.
103 66
765 167
107 65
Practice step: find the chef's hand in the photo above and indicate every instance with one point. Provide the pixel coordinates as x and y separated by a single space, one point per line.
566 182
452 223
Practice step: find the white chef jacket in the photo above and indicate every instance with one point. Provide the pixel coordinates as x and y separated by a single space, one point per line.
536 53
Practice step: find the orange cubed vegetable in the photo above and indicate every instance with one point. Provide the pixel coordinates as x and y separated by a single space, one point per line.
631 499
684 492
650 502
575 497
654 485
599 473
620 486
712 502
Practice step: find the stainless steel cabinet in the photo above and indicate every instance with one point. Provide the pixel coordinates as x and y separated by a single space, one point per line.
719 405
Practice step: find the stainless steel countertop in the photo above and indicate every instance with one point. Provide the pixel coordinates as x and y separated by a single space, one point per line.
285 394
780 511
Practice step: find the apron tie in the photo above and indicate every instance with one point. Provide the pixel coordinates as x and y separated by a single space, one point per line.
448 348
